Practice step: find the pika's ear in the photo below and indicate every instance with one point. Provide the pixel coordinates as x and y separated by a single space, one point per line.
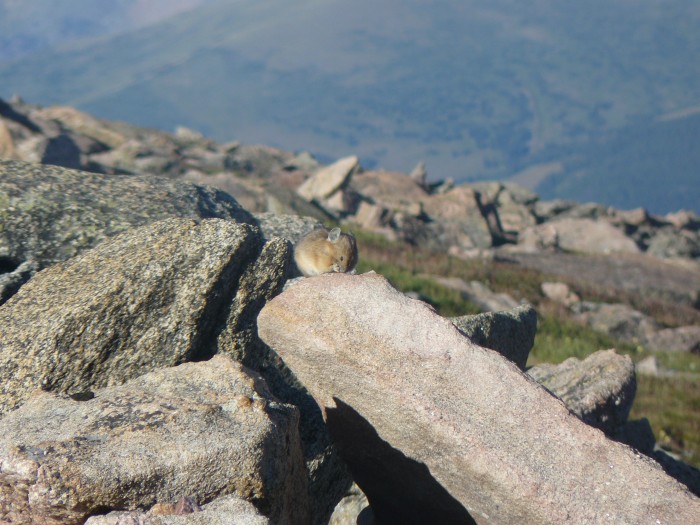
334 235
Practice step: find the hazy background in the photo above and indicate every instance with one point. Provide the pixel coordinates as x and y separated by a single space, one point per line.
597 100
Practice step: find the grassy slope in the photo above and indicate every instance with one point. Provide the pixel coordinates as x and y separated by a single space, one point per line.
672 405
477 89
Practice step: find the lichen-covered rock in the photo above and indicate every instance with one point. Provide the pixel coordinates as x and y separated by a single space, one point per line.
510 333
599 389
152 297
202 429
49 214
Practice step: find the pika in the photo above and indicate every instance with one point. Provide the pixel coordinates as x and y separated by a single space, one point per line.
323 251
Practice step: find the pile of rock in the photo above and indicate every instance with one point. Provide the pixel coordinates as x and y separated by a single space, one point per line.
152 371
465 220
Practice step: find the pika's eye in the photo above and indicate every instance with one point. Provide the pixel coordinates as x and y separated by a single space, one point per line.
342 258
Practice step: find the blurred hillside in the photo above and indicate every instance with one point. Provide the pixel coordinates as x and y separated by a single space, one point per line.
573 93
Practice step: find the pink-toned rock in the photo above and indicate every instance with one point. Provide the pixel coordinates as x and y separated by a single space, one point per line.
391 189
560 292
438 430
330 179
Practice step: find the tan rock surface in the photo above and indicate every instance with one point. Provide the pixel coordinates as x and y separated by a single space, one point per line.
434 427
201 429
329 179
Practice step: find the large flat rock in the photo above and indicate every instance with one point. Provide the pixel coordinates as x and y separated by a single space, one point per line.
438 430
201 430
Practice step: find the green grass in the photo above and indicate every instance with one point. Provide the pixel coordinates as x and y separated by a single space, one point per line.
559 339
672 406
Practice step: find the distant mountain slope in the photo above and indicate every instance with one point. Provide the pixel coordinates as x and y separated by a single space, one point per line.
478 89
656 163
29 26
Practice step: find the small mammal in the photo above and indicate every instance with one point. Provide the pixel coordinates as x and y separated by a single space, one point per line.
323 251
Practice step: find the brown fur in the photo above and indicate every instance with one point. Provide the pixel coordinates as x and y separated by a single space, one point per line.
323 251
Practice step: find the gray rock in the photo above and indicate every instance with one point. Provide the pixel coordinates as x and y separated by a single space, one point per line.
684 219
288 227
478 294
50 214
580 235
672 242
201 429
510 333
600 389
681 339
512 204
152 297
488 445
649 277
263 161
648 366
459 219
617 320
227 510
419 175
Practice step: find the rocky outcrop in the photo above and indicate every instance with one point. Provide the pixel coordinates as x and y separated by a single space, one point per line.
495 447
578 235
510 333
618 320
50 214
153 297
560 293
203 430
627 324
681 339
599 389
167 292
466 219
326 186
131 271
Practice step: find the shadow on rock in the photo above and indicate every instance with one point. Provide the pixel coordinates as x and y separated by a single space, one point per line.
399 489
